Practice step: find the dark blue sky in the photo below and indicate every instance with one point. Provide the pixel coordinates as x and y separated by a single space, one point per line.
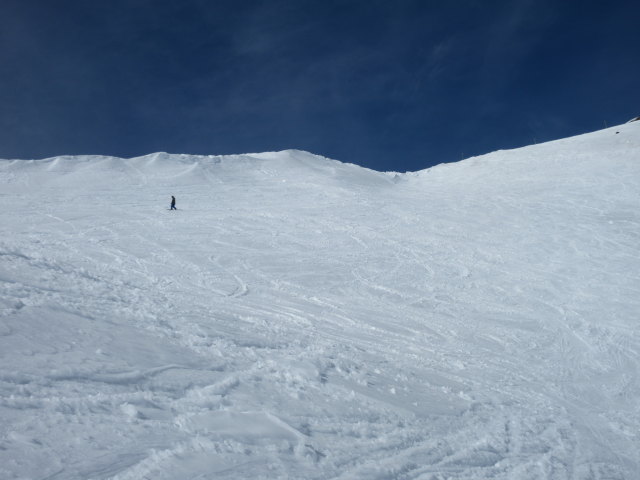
391 85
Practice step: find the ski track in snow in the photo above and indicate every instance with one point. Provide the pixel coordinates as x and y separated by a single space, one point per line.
302 318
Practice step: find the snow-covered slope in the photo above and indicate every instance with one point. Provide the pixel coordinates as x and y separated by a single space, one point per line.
302 318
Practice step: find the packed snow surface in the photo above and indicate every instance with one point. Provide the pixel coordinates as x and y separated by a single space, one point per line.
298 317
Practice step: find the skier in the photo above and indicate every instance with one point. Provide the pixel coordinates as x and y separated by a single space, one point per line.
173 203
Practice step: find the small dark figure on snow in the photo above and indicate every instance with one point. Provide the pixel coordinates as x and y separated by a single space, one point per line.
173 203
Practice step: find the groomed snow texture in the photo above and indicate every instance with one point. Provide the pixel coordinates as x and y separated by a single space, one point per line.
302 318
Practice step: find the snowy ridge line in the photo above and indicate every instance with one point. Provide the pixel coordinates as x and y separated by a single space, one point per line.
151 159
303 318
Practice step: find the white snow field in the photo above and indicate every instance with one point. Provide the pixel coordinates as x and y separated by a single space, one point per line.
302 318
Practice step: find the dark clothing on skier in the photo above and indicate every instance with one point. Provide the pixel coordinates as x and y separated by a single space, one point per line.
173 203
